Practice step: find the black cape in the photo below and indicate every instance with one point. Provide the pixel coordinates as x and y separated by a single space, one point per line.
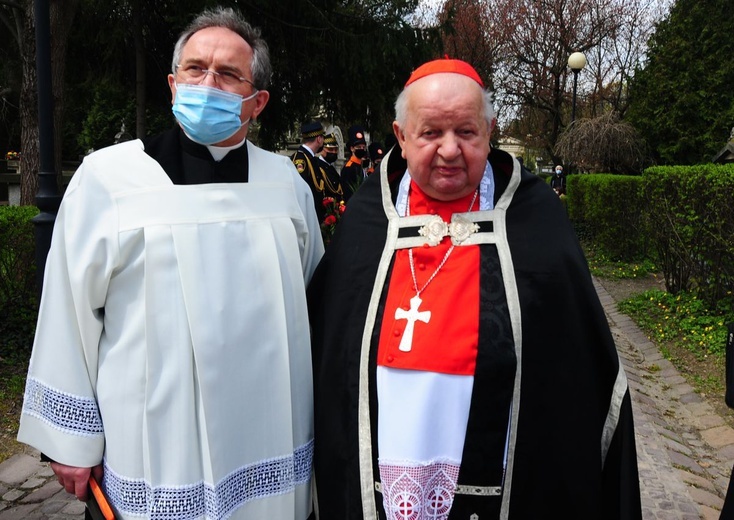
547 365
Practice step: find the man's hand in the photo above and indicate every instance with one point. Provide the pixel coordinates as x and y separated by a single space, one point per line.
76 480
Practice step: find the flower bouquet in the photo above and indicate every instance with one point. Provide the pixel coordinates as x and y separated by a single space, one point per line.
334 211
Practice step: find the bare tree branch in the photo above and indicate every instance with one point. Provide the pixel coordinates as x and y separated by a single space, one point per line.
604 144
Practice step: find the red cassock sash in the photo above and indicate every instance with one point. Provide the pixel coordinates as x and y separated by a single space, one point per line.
447 343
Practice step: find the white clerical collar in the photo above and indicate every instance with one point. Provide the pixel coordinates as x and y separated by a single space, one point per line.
486 191
219 152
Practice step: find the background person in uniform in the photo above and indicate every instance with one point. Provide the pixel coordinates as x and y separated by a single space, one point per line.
376 154
307 163
443 386
327 158
353 174
172 355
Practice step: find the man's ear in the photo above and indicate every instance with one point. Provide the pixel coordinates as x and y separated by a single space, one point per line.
172 86
260 101
400 136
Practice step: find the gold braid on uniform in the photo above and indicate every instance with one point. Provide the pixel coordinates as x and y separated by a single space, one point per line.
317 185
338 189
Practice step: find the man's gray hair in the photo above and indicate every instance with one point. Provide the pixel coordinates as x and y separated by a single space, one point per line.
401 107
229 19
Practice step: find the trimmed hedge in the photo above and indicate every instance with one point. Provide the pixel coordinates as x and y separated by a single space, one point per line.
609 208
18 293
681 216
691 214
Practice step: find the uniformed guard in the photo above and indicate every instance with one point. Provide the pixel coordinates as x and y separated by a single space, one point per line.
353 174
332 181
377 152
306 162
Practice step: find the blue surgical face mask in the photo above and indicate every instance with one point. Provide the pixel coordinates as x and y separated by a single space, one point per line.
208 115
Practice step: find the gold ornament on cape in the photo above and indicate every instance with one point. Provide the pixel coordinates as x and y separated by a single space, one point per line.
459 230
435 230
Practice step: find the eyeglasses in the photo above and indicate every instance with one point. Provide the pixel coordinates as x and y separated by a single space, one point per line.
196 74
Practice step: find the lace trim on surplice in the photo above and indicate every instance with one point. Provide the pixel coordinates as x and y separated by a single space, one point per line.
72 414
262 479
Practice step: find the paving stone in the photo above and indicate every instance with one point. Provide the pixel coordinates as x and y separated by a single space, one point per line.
49 507
709 513
22 512
696 480
45 492
13 495
705 498
719 437
19 468
75 507
33 483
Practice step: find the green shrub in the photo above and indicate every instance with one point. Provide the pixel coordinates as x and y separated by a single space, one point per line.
680 217
691 222
18 292
609 210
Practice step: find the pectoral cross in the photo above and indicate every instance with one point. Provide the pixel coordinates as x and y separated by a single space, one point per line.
412 315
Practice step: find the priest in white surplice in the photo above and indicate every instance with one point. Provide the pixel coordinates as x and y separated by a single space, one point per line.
172 354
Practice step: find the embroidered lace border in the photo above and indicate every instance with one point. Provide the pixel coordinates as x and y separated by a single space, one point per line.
73 414
263 479
80 416
418 492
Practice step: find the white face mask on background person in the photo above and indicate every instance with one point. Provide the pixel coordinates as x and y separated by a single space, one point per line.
208 115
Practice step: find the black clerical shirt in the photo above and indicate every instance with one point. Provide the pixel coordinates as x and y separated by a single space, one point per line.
187 162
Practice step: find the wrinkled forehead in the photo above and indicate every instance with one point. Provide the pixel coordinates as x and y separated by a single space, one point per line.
220 45
444 96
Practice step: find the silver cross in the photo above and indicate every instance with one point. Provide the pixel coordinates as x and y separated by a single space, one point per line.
412 315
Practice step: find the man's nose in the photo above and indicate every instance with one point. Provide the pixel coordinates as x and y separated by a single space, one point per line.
449 146
210 79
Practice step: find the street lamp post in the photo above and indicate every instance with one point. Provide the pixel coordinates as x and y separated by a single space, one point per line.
47 197
576 61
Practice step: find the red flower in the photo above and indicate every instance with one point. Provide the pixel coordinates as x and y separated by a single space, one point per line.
329 220
327 201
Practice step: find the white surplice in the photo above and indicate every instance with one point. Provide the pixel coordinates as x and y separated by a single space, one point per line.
173 339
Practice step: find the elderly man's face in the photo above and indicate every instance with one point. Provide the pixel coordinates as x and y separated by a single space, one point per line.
446 137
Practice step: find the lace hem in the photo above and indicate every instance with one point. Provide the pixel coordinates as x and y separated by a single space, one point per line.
263 479
418 492
72 414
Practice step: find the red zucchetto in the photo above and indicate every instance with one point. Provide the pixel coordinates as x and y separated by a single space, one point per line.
445 65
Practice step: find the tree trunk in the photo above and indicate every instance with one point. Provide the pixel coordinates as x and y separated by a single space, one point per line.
30 159
62 14
140 78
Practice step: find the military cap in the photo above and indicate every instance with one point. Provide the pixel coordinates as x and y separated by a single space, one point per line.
377 152
356 135
312 129
330 141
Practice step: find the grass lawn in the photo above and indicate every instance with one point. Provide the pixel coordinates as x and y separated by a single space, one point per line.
12 384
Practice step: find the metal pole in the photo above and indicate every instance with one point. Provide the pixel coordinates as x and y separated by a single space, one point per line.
573 105
48 197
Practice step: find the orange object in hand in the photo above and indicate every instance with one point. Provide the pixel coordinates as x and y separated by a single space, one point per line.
99 498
